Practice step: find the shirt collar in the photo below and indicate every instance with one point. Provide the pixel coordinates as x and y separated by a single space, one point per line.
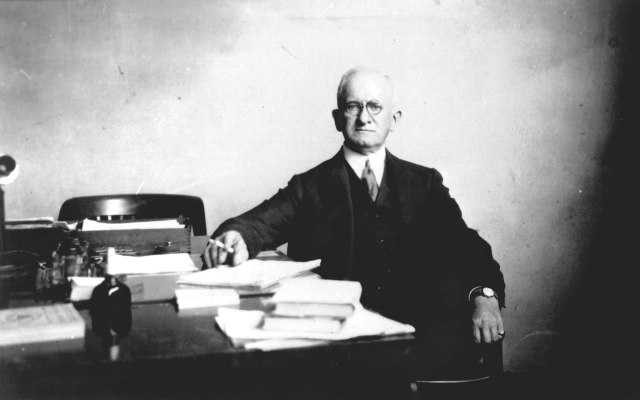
357 161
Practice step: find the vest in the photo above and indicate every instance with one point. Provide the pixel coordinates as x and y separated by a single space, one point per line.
377 229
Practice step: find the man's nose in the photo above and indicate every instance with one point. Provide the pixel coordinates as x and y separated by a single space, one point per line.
363 116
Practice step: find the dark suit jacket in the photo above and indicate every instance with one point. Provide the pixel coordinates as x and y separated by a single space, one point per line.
442 259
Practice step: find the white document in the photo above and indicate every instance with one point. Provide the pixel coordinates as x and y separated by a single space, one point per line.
279 344
327 291
82 287
91 225
250 274
189 297
154 264
243 326
38 223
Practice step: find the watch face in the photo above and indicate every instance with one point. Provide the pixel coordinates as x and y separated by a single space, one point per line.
488 292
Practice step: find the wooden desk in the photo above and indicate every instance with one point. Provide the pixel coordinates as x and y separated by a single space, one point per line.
170 354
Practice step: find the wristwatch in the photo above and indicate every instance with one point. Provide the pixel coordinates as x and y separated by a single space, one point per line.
484 292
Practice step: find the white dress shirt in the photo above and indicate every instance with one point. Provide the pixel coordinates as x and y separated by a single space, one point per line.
357 162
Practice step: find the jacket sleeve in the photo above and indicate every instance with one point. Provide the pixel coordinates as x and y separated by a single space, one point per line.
469 256
271 223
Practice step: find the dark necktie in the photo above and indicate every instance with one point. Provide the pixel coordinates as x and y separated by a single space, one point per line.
370 180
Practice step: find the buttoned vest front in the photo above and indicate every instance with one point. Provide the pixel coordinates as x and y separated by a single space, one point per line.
377 227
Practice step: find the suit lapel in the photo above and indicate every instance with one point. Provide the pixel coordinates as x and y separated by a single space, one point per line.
335 198
403 189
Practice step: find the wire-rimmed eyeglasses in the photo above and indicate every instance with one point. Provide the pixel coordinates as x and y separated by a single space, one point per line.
354 108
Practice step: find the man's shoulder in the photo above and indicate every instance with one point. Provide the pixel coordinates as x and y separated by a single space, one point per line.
332 164
332 167
409 166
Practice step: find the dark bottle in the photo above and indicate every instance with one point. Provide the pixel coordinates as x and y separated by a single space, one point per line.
110 309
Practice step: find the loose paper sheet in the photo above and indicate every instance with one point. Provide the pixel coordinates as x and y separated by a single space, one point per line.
154 264
241 325
91 225
250 274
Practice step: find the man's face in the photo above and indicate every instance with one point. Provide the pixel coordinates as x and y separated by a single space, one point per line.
367 113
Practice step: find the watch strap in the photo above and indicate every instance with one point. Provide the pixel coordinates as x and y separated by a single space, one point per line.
474 292
479 291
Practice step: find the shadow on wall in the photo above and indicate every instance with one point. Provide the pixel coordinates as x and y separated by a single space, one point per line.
599 341
538 350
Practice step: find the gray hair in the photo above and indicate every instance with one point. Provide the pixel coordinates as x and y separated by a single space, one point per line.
353 71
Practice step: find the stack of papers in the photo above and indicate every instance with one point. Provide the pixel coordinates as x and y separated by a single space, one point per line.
150 278
312 305
315 311
48 323
299 297
244 329
189 297
37 223
154 264
91 225
250 275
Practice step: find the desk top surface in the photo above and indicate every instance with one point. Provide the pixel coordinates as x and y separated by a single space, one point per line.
161 334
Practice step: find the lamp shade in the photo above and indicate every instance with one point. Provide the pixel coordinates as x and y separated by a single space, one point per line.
8 169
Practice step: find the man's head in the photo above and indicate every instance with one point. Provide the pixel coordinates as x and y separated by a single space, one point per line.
367 109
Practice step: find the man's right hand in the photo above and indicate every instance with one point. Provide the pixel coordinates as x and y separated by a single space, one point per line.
228 248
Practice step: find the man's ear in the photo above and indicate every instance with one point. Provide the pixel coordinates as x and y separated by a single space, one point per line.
338 119
397 116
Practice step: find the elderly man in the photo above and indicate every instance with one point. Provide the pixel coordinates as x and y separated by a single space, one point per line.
385 222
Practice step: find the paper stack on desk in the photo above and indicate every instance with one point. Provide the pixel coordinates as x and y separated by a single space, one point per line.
247 328
89 225
190 297
312 305
153 264
152 277
38 223
244 329
47 323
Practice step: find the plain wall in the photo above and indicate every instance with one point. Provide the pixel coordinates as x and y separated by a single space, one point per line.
513 101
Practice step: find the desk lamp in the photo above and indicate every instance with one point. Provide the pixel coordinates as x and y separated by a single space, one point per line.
8 173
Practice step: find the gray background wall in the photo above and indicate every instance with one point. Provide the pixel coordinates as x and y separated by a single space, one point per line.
515 102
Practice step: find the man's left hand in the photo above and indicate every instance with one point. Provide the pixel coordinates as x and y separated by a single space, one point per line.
487 320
